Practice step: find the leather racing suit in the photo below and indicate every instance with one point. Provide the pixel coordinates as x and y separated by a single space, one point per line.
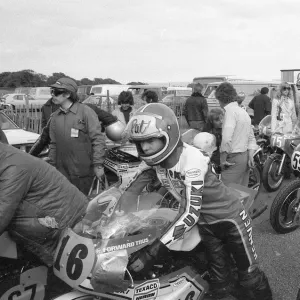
221 217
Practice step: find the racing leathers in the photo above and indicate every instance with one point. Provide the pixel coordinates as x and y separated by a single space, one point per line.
221 217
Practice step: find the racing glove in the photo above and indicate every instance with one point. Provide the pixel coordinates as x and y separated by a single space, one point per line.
146 257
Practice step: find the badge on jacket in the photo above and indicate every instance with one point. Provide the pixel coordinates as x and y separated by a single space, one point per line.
74 132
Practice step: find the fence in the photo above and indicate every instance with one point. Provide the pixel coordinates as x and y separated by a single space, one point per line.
29 117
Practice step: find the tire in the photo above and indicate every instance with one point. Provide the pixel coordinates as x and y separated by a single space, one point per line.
255 178
270 168
285 202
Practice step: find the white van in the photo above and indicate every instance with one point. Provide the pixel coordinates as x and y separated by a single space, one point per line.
40 93
179 91
251 88
114 89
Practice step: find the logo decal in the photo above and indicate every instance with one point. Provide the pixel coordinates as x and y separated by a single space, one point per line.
147 290
139 127
193 173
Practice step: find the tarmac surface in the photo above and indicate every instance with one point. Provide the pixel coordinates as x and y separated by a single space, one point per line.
278 254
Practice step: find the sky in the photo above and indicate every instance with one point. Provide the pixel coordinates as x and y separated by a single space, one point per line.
150 41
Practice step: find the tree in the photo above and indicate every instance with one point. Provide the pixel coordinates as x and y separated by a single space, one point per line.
137 83
54 77
86 81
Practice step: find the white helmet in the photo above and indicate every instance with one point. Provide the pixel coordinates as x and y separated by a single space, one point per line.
114 131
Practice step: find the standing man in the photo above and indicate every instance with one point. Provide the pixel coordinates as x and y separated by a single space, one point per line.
238 142
77 146
196 109
261 105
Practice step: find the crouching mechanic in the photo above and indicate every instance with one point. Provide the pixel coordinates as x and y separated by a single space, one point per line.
222 220
37 202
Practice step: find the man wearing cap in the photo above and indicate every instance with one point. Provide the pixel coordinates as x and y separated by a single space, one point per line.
77 146
261 105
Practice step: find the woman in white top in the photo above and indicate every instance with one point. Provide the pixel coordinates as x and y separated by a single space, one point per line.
283 112
125 110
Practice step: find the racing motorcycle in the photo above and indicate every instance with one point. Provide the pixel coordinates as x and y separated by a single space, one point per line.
285 209
263 138
277 164
91 260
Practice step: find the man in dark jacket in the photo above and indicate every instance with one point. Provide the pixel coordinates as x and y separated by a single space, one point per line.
36 202
77 146
261 106
104 117
196 109
47 109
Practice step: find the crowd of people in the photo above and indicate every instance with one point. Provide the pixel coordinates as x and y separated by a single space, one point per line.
39 200
232 126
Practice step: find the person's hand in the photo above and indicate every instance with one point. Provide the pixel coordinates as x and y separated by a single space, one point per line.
226 164
99 171
251 162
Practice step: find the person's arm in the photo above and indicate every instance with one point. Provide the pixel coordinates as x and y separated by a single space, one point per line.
273 115
52 147
293 116
44 118
96 137
268 106
104 117
191 203
252 146
251 103
229 124
204 109
42 142
13 188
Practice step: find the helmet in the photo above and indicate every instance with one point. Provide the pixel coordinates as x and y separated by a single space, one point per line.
154 120
205 141
114 131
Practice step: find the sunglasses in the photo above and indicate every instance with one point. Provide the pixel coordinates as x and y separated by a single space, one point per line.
56 92
286 88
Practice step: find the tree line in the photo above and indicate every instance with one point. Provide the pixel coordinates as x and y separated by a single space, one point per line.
29 78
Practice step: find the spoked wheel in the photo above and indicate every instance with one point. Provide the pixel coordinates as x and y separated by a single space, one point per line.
270 177
255 178
285 210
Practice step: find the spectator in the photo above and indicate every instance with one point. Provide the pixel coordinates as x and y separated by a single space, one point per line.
261 105
126 110
240 98
214 126
47 109
196 109
150 96
283 110
238 141
77 146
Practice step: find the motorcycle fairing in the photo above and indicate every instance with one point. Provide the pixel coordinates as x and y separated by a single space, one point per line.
180 285
31 285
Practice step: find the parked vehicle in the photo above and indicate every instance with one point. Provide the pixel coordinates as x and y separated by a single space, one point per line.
113 89
138 90
40 93
278 163
23 90
179 91
285 209
18 100
16 136
84 92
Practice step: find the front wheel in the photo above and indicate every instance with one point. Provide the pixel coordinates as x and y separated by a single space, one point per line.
285 210
270 177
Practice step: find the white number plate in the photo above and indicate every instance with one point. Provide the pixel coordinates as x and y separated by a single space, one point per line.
74 258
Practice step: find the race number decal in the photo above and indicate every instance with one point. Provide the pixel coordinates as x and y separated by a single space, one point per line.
30 291
296 161
74 258
277 141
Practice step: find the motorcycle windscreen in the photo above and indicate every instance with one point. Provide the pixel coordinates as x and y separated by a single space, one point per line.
96 253
265 125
